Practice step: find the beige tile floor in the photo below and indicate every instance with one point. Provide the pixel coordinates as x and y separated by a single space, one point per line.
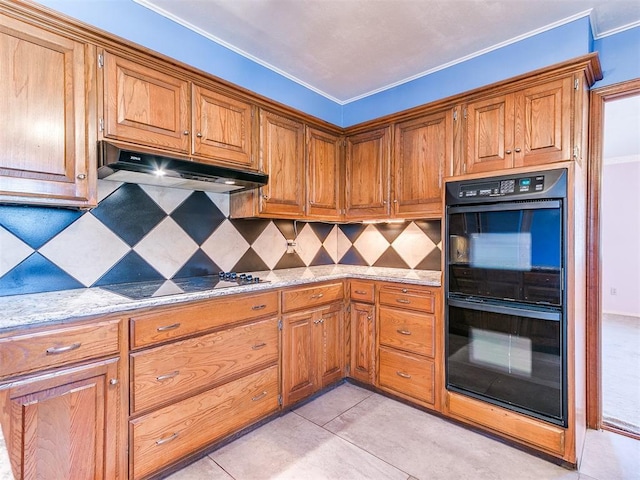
350 433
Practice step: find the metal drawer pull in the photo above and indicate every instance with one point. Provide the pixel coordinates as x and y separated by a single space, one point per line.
168 327
361 292
402 300
404 290
318 295
403 375
66 348
258 307
259 346
403 332
168 439
167 376
259 397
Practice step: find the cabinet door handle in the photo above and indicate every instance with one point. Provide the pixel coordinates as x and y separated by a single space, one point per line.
259 346
167 376
508 152
518 150
199 135
369 317
113 381
186 132
168 327
168 439
66 348
360 292
403 300
81 176
317 295
403 375
259 307
259 397
403 332
404 290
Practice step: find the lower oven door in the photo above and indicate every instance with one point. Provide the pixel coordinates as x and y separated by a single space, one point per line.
509 356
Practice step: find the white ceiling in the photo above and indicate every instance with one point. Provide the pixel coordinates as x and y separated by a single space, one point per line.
348 49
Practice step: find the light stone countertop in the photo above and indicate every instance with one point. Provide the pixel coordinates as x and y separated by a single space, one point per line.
59 307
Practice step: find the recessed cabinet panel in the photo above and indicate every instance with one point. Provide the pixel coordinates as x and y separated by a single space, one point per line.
222 127
47 91
323 172
65 426
363 343
367 175
282 158
422 157
144 105
489 134
546 112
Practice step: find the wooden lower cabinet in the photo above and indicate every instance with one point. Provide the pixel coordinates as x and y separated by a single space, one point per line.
65 425
312 351
163 437
409 340
363 347
408 374
199 361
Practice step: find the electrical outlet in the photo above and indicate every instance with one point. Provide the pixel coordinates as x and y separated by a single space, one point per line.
613 291
291 246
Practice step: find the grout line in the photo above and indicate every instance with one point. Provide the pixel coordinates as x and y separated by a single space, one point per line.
221 467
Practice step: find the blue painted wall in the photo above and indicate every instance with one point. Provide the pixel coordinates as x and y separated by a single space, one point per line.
138 24
619 55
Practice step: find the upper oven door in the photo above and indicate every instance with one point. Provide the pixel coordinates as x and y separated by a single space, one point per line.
507 251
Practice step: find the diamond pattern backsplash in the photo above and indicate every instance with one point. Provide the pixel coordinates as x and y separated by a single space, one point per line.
142 233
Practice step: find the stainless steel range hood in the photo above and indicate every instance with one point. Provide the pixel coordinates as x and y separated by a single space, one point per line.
125 165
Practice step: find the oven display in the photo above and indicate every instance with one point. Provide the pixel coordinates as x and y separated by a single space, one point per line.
509 186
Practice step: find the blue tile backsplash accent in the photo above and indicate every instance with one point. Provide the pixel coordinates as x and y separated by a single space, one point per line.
142 233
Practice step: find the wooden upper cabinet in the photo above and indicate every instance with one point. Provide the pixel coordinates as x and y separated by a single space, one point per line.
323 175
47 98
489 135
367 175
222 127
144 105
544 113
532 126
422 157
282 158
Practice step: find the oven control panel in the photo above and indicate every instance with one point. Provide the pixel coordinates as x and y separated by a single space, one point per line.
502 187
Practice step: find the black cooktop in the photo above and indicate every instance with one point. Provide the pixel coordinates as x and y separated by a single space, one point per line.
177 286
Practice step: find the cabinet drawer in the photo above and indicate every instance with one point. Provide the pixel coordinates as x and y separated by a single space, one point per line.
407 374
407 330
166 435
161 373
311 296
176 322
61 346
362 291
415 298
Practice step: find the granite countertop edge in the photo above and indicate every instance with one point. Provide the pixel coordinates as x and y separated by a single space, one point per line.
39 309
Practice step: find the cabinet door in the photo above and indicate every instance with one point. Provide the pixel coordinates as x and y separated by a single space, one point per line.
65 426
331 341
298 357
489 135
144 105
422 157
362 343
543 123
222 127
367 175
282 158
323 175
47 91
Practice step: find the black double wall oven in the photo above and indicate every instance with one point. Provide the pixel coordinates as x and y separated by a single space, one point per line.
505 292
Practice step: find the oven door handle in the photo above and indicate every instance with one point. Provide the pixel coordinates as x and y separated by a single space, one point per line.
523 311
502 207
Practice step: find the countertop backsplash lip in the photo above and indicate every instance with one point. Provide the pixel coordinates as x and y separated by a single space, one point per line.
50 308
